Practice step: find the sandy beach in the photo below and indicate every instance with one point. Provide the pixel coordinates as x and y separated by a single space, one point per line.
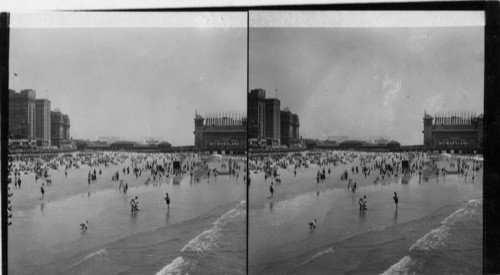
350 241
45 236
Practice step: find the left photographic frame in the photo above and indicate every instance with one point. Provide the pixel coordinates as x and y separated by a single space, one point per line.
127 140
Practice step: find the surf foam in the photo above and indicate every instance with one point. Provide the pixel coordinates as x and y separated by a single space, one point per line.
92 256
206 240
436 239
175 267
402 267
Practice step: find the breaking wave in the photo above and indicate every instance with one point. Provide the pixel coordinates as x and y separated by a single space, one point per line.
207 240
437 240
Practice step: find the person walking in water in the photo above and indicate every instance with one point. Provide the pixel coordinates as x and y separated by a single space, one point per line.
396 199
42 190
362 204
133 204
167 200
271 189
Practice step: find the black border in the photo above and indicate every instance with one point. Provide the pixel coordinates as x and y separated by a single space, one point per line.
390 6
491 187
4 105
247 176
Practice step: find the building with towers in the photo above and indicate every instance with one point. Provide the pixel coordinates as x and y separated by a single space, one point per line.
268 124
221 133
60 125
453 132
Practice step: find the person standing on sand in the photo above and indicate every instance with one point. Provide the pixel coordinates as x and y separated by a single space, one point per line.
396 199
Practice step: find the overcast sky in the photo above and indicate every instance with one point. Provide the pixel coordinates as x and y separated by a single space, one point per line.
130 82
364 82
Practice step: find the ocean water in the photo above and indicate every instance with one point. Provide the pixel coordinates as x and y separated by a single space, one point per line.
203 230
436 227
452 248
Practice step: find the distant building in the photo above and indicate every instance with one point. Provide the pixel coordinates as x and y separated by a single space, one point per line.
381 141
123 145
295 127
460 132
22 114
164 146
286 118
269 126
217 133
356 145
66 126
338 139
43 120
289 128
256 114
59 129
272 121
56 128
108 139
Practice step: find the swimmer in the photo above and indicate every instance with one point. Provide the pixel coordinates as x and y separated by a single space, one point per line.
312 224
84 225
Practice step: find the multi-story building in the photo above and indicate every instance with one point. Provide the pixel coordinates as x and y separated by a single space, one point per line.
272 121
289 128
22 114
66 126
286 125
458 132
218 133
43 121
268 125
256 114
59 129
296 126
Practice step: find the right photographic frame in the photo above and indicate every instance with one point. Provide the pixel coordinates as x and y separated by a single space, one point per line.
365 137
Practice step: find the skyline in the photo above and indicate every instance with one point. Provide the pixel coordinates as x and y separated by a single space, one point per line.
144 81
363 82
149 82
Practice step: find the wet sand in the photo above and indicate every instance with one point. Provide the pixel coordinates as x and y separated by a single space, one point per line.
280 240
45 236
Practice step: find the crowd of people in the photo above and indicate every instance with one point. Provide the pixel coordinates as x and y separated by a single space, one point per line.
154 167
387 166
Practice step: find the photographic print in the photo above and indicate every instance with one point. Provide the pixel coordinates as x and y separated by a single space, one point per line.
365 142
128 140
